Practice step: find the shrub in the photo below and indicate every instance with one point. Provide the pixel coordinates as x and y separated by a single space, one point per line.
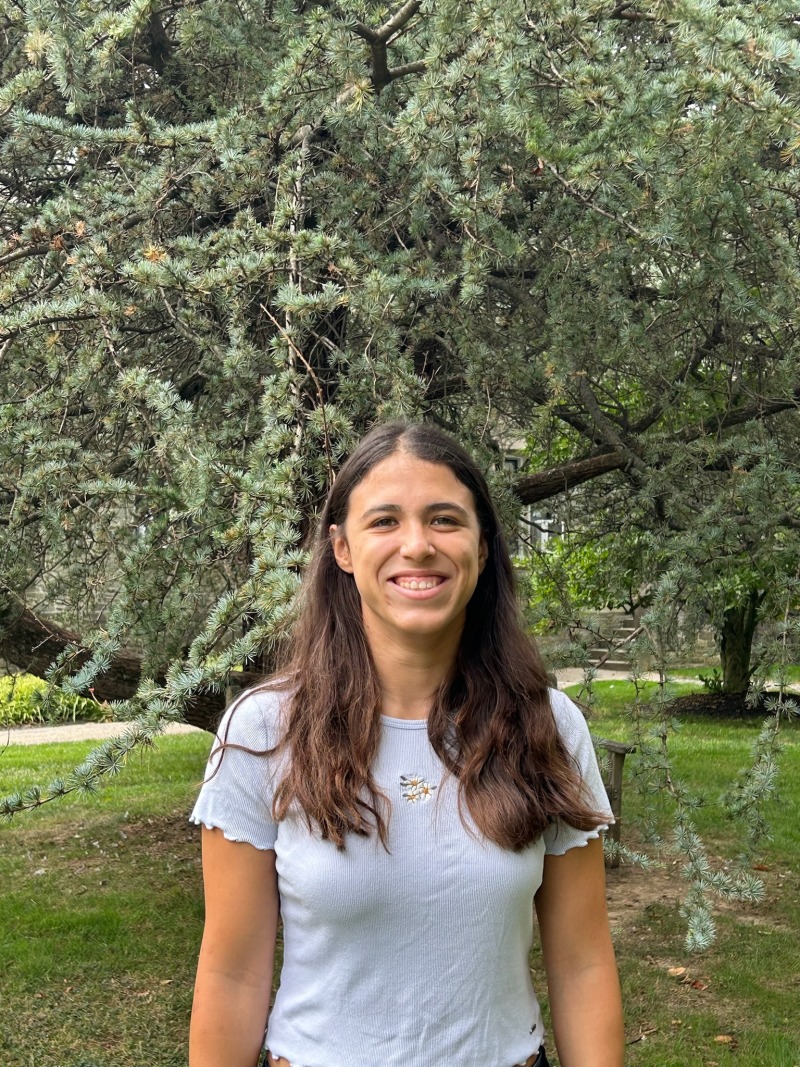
21 697
712 682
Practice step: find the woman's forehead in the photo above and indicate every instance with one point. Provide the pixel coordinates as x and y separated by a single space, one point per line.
406 481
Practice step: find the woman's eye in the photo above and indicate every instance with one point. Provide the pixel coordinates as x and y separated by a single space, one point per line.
387 521
448 520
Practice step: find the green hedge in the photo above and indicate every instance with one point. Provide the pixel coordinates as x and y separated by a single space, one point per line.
21 703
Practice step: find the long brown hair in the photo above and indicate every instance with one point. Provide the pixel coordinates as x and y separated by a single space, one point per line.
490 723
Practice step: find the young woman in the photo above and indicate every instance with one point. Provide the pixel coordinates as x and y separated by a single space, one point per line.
403 796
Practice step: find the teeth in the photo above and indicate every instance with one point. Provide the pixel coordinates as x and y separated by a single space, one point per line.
418 583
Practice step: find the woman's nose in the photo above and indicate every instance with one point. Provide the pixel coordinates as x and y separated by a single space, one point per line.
417 544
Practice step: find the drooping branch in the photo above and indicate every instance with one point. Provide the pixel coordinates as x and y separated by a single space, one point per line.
32 643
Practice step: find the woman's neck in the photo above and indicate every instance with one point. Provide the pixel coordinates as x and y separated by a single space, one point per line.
410 676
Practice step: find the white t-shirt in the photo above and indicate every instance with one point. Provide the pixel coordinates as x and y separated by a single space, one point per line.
408 958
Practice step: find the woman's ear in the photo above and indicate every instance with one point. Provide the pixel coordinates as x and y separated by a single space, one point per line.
341 550
483 554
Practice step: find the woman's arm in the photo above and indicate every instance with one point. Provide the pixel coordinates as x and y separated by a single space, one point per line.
234 972
582 980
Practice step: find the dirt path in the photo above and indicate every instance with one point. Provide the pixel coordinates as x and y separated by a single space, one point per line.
77 731
99 731
630 889
574 675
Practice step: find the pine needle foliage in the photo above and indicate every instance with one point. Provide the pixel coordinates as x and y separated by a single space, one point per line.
233 235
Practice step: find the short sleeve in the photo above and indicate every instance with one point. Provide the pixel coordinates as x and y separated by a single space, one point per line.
238 788
559 837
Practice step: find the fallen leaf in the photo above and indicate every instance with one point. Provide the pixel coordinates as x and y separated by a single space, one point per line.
676 972
760 867
697 984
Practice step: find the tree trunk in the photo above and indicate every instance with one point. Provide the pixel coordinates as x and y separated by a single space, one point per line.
31 643
736 643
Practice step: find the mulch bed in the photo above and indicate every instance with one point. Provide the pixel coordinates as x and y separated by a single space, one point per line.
728 705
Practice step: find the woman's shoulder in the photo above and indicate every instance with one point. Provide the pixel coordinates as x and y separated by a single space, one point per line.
253 719
236 795
569 718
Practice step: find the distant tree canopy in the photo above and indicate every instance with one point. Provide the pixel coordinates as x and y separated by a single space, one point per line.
234 235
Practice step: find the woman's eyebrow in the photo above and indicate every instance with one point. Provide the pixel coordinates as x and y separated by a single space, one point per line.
396 509
393 508
448 505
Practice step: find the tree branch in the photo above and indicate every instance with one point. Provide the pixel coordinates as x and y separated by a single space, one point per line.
762 409
588 202
380 65
378 40
604 426
23 253
399 20
408 68
623 11
32 643
532 488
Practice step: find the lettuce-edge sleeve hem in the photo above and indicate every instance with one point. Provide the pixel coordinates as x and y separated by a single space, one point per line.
560 837
229 835
239 786
580 839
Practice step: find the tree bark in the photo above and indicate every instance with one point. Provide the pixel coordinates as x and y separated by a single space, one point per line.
736 643
31 644
532 488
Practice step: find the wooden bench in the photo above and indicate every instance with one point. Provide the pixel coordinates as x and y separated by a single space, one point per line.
613 786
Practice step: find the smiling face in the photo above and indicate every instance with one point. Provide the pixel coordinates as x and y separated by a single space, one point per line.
413 543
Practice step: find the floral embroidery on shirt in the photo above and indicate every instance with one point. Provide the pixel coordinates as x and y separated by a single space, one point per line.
414 788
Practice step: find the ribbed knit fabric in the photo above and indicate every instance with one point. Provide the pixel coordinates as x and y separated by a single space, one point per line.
413 958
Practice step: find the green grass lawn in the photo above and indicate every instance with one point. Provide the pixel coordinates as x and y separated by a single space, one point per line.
101 912
101 916
745 990
614 697
707 755
792 673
